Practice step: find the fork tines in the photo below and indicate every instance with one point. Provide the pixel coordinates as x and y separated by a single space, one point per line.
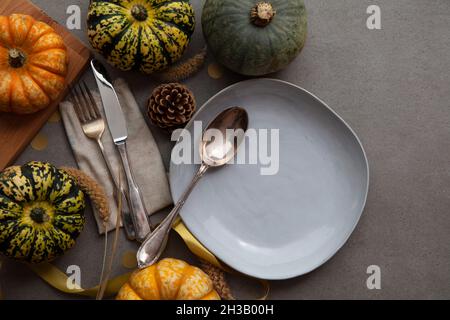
85 105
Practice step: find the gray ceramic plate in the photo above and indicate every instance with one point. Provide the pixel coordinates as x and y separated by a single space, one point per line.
284 225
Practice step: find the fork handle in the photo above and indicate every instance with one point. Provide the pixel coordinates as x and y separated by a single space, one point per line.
127 220
138 211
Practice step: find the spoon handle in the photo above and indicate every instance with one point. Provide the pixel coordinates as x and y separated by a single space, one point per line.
152 248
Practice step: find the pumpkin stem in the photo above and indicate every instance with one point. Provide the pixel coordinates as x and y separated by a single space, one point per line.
16 58
139 12
262 14
39 215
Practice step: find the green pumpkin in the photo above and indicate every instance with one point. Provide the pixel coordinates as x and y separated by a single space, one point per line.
41 212
254 38
144 35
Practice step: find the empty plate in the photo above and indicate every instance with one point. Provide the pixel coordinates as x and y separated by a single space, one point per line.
301 212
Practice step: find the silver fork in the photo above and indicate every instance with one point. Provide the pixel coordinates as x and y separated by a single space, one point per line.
93 127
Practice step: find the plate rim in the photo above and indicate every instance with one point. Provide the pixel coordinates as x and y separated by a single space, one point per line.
285 276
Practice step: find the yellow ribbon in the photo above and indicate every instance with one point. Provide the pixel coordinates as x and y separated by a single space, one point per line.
200 251
58 279
195 246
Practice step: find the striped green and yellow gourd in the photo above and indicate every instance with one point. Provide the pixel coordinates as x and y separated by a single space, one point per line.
144 35
41 212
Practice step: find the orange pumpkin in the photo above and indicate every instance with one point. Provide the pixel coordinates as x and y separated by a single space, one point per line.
33 64
169 279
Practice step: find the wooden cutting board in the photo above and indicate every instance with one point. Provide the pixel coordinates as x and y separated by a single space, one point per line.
16 131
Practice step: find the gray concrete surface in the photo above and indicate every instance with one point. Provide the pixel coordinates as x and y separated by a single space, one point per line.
393 87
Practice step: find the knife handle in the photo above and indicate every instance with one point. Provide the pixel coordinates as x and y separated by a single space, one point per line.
127 220
138 211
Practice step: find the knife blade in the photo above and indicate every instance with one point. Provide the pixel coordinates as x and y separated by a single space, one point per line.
118 128
113 110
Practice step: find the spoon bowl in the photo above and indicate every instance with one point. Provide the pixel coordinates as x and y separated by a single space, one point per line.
223 136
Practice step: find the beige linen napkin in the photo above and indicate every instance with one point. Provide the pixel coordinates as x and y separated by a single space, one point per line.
143 152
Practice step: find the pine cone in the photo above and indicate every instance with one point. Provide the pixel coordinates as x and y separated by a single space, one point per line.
171 106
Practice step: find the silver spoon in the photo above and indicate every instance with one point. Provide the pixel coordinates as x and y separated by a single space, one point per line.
214 152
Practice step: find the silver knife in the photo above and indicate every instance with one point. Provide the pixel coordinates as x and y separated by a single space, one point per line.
118 128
